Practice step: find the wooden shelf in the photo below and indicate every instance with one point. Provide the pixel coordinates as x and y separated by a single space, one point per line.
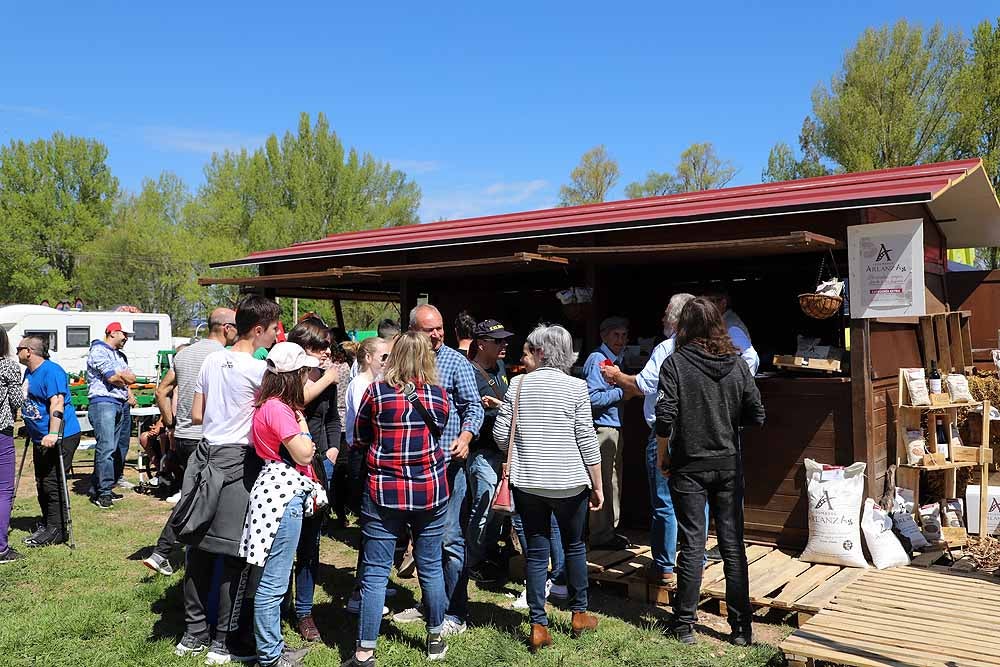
951 465
946 406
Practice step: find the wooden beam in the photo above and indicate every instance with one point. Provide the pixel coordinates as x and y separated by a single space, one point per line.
792 242
516 258
331 294
339 311
252 281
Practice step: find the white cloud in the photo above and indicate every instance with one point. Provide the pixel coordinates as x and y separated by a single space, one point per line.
202 142
493 199
40 112
415 166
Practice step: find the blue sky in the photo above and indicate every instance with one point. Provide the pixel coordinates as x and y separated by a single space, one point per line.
488 106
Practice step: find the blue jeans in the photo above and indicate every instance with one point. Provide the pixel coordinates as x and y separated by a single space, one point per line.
381 527
571 515
108 420
456 577
124 437
484 525
558 572
307 565
274 582
663 533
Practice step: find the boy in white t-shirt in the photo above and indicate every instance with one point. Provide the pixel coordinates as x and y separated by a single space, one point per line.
227 468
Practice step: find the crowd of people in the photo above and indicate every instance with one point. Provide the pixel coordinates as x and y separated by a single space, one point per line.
271 439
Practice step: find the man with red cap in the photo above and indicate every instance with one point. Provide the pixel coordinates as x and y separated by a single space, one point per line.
108 379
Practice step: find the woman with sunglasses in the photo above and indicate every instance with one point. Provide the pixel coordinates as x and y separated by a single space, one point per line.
371 357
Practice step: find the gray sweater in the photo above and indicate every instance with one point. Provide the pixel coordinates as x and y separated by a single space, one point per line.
554 437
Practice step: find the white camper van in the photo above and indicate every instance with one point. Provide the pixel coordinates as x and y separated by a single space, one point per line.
70 333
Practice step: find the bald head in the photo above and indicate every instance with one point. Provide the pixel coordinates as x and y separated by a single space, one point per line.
222 325
427 318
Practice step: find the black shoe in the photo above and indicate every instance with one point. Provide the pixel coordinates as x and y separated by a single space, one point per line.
354 662
289 658
741 637
45 538
714 554
617 543
682 632
103 502
36 533
437 649
482 574
9 556
191 645
115 496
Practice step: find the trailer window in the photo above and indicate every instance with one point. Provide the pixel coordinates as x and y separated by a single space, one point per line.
77 336
146 330
48 335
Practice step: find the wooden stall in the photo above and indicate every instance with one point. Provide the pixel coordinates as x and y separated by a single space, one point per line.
765 244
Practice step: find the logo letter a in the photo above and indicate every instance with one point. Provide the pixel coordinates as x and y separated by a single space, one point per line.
825 500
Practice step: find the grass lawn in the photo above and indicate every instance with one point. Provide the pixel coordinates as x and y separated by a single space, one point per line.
98 606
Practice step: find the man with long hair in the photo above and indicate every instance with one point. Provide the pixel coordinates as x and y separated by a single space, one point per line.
213 503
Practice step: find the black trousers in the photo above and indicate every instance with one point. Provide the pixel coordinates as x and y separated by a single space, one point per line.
235 613
168 538
723 491
47 484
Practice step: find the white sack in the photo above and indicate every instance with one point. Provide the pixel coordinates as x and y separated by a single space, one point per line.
835 496
883 545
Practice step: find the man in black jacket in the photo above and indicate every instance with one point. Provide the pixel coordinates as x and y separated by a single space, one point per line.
705 395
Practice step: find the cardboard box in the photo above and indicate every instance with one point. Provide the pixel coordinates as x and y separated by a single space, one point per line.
972 510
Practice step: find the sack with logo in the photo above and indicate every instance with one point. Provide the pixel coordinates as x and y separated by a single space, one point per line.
904 523
882 544
930 522
835 497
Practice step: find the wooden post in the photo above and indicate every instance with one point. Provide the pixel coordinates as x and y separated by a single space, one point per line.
339 312
407 300
861 403
984 472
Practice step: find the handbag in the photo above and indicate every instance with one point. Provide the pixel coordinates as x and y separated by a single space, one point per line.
503 502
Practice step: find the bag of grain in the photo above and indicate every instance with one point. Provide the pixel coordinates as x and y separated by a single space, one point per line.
908 528
882 544
930 522
835 497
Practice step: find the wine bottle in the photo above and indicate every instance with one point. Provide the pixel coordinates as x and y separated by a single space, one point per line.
934 378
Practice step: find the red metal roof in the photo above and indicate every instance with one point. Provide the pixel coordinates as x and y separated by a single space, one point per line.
902 184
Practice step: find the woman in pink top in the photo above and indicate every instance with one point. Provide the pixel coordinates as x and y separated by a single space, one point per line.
284 492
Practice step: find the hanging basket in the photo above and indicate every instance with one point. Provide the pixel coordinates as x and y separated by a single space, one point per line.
820 306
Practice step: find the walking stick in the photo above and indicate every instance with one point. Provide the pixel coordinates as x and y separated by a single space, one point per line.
20 468
67 513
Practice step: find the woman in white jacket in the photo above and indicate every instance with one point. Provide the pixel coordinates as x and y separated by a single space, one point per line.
555 470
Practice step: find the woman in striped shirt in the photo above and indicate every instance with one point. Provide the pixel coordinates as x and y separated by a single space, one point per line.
407 487
555 469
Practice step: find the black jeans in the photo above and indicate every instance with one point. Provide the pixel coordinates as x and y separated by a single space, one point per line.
571 517
723 490
168 538
47 484
235 613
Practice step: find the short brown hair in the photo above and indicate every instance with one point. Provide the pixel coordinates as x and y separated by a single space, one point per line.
411 360
255 310
286 387
701 324
310 334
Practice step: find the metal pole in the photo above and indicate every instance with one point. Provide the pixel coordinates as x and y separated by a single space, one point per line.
67 513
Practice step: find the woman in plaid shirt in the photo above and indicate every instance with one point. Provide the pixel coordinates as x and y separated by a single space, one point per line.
407 487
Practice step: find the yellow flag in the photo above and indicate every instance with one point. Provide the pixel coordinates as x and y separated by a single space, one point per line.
963 255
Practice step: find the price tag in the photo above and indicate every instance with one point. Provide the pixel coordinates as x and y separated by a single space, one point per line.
831 473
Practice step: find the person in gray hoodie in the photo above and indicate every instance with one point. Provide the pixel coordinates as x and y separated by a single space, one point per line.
705 396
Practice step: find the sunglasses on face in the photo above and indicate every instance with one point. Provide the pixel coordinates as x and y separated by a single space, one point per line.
23 347
384 357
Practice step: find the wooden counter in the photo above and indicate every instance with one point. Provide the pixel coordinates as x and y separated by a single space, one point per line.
807 417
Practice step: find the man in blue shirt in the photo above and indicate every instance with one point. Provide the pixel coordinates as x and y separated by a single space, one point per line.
48 393
604 402
465 418
663 530
108 378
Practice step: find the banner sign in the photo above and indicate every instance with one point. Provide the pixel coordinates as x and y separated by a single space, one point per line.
886 269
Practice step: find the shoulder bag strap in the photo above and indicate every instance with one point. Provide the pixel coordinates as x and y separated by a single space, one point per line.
410 391
513 426
489 381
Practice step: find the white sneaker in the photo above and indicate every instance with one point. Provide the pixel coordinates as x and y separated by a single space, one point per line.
354 606
174 499
556 591
123 483
522 601
451 628
411 615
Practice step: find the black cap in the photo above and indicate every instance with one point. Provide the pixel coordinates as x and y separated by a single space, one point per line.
490 329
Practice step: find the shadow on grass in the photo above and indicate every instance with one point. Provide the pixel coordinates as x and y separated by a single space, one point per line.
641 614
169 610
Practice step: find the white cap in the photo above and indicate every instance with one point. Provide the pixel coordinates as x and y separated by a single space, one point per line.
287 357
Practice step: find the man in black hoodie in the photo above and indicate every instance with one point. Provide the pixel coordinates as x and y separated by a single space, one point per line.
705 395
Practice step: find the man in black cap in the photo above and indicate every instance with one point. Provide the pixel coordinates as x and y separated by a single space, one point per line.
490 339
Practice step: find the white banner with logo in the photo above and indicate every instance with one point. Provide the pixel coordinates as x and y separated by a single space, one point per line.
886 269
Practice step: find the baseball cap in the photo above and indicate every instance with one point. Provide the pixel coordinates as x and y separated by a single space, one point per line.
287 357
117 326
490 329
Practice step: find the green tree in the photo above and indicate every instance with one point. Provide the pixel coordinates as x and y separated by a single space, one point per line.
782 164
976 105
55 195
889 105
147 257
700 168
591 180
300 188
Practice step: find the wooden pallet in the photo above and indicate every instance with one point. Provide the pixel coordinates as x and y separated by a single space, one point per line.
777 579
919 617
